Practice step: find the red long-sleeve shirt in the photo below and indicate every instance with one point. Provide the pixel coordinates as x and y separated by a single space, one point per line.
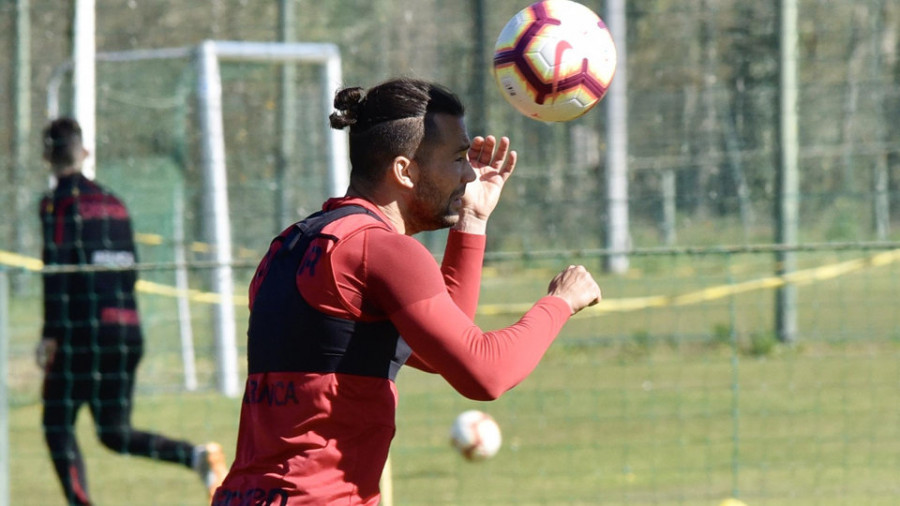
323 438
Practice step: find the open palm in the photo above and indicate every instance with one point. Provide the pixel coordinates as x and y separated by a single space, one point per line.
493 163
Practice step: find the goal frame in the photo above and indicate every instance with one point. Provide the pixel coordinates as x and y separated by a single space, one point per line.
206 58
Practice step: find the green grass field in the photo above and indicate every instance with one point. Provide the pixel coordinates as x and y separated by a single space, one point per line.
674 405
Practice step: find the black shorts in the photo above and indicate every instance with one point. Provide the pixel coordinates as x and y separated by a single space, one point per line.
102 375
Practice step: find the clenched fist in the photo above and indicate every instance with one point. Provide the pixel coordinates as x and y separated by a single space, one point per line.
576 286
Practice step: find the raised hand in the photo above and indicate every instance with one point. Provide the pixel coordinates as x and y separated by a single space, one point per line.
493 163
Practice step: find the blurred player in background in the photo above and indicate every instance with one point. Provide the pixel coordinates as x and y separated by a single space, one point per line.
335 292
91 342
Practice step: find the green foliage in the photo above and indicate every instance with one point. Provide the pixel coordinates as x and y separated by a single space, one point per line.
638 345
762 344
721 335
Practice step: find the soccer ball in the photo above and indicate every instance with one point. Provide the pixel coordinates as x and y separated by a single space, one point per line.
554 60
475 435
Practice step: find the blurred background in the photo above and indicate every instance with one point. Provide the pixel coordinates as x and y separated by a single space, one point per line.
748 342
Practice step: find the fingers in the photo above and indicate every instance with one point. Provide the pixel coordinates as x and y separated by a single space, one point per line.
476 150
509 165
501 153
490 152
481 150
486 157
577 287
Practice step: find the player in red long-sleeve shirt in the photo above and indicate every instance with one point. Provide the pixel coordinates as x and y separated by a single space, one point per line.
336 291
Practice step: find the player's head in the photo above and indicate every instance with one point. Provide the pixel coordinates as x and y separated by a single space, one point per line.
63 147
394 118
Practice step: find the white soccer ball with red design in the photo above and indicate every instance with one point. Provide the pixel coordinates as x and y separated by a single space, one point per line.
554 60
476 435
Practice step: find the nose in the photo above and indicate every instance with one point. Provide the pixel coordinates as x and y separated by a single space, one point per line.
469 173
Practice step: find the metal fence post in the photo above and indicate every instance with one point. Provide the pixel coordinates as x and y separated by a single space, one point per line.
735 385
4 391
618 236
788 179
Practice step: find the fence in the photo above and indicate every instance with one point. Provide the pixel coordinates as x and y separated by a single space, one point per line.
675 390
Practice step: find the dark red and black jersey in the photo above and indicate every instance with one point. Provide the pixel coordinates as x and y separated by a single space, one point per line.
85 225
318 409
341 345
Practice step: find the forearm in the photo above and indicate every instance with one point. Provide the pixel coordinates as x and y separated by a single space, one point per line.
481 365
461 268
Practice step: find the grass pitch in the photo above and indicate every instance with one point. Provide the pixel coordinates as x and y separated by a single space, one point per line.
665 406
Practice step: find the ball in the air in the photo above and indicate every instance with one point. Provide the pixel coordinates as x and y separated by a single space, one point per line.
554 60
475 435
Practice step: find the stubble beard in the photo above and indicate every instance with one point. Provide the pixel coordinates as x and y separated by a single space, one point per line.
434 211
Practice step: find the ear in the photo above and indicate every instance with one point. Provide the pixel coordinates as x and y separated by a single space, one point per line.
405 171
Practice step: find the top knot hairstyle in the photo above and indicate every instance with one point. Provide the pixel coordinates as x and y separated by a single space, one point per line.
62 142
392 119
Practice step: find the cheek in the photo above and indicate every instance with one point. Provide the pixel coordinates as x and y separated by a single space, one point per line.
447 178
428 189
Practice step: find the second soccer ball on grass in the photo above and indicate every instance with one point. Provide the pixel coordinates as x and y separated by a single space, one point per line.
475 435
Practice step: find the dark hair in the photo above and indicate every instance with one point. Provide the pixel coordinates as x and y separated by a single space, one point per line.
391 119
62 141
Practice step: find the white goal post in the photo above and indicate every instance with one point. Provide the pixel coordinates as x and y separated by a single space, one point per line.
217 224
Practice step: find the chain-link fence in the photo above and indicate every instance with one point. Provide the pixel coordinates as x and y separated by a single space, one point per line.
675 390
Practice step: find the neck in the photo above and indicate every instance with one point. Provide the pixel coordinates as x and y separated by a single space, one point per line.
65 171
388 205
